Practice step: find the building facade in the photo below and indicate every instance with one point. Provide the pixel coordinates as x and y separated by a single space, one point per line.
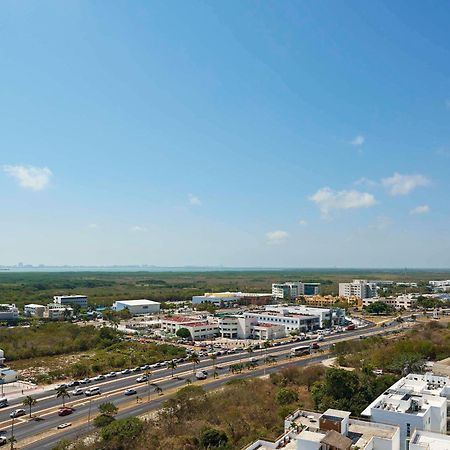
406 301
8 312
33 310
358 288
294 289
137 307
79 300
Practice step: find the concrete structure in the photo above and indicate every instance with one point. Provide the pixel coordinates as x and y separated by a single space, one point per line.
33 310
294 289
327 316
8 313
290 321
440 286
198 327
228 298
406 301
426 440
358 288
331 300
332 430
415 402
137 307
7 375
56 311
79 300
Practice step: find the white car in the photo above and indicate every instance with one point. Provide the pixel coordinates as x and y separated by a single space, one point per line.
111 375
3 440
61 426
77 391
17 413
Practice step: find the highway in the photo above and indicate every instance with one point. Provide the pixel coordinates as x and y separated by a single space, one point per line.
113 389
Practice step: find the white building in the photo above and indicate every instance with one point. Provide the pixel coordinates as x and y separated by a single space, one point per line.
33 310
406 301
415 402
56 311
8 312
290 321
198 327
79 300
327 316
294 289
442 285
230 298
332 430
137 307
358 288
426 440
241 327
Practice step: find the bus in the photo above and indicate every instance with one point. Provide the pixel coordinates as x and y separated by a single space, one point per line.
300 351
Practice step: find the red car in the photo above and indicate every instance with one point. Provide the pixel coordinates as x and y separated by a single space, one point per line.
65 411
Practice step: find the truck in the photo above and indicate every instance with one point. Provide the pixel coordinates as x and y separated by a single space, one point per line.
300 351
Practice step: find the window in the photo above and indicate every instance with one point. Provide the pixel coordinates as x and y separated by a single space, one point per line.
408 429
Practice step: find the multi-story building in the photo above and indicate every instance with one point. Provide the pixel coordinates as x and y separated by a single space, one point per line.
240 327
332 430
406 301
426 440
294 289
441 285
8 313
137 307
327 316
358 288
79 300
290 321
198 327
33 310
415 402
331 300
56 311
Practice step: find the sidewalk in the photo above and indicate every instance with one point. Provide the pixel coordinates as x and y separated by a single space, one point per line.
20 389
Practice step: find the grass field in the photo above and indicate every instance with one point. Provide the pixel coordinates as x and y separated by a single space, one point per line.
103 288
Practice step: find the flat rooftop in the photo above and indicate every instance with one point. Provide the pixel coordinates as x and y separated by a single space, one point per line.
430 441
139 302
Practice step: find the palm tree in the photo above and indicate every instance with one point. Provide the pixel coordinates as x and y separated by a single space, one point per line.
62 393
172 365
213 358
195 360
158 389
29 401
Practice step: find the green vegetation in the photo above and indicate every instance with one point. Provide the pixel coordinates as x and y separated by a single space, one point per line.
429 341
379 308
184 333
107 412
103 288
53 339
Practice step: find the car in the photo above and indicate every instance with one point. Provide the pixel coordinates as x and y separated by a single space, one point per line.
73 384
92 391
111 375
65 411
142 379
136 369
3 440
17 413
85 381
62 386
77 391
130 392
145 367
125 371
61 426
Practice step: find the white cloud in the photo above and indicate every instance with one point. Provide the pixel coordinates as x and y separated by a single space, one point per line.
93 226
363 181
194 200
358 141
302 222
138 229
400 184
277 237
328 200
29 177
421 209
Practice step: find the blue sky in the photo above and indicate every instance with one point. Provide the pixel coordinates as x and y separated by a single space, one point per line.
237 133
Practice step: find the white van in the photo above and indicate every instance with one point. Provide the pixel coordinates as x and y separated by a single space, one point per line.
92 391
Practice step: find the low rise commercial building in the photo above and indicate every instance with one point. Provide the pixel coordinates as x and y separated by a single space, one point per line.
406 301
358 288
199 327
294 289
440 285
331 300
426 440
224 299
8 312
56 311
415 402
332 430
34 310
79 300
290 321
137 307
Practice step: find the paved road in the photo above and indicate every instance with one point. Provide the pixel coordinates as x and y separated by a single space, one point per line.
112 390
